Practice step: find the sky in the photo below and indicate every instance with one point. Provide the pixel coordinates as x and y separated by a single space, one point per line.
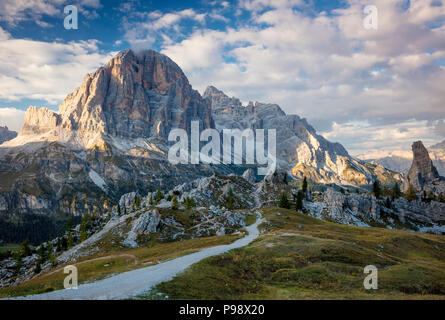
371 89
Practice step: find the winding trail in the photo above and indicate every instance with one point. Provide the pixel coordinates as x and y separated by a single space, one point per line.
139 281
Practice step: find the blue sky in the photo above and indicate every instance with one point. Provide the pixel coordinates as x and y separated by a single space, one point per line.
368 89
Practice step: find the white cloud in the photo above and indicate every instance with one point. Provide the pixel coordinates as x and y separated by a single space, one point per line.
328 68
366 138
439 128
13 118
4 35
142 34
15 11
257 5
45 70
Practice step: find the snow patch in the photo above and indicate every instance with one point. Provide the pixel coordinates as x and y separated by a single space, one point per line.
97 179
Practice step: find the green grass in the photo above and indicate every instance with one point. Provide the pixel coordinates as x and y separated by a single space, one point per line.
299 257
10 246
250 219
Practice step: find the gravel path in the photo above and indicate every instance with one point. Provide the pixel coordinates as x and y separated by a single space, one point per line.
135 282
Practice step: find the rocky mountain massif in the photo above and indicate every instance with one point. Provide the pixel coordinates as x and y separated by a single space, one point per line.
423 175
6 134
300 150
109 138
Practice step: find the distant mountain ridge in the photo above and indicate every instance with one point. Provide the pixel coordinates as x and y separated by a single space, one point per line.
6 134
401 161
299 148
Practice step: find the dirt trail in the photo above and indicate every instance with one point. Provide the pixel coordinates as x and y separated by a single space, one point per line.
135 282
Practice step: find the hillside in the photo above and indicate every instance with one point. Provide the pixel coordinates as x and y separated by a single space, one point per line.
334 231
295 257
299 257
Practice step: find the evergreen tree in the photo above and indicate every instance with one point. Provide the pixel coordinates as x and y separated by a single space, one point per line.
64 244
175 204
299 202
441 197
59 245
26 250
189 203
411 194
376 190
396 193
52 259
137 202
285 177
423 196
151 202
118 209
41 251
49 251
18 263
70 240
38 267
304 187
69 224
159 195
431 196
284 202
388 203
230 199
83 235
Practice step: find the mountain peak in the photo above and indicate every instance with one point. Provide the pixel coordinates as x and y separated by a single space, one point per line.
137 94
219 99
211 90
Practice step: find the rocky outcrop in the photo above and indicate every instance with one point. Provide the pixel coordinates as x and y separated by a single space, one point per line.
214 191
299 148
422 169
6 134
249 175
345 208
146 223
128 199
366 210
39 121
423 174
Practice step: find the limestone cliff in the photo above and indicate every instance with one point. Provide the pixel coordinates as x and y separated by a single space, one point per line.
299 148
423 174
